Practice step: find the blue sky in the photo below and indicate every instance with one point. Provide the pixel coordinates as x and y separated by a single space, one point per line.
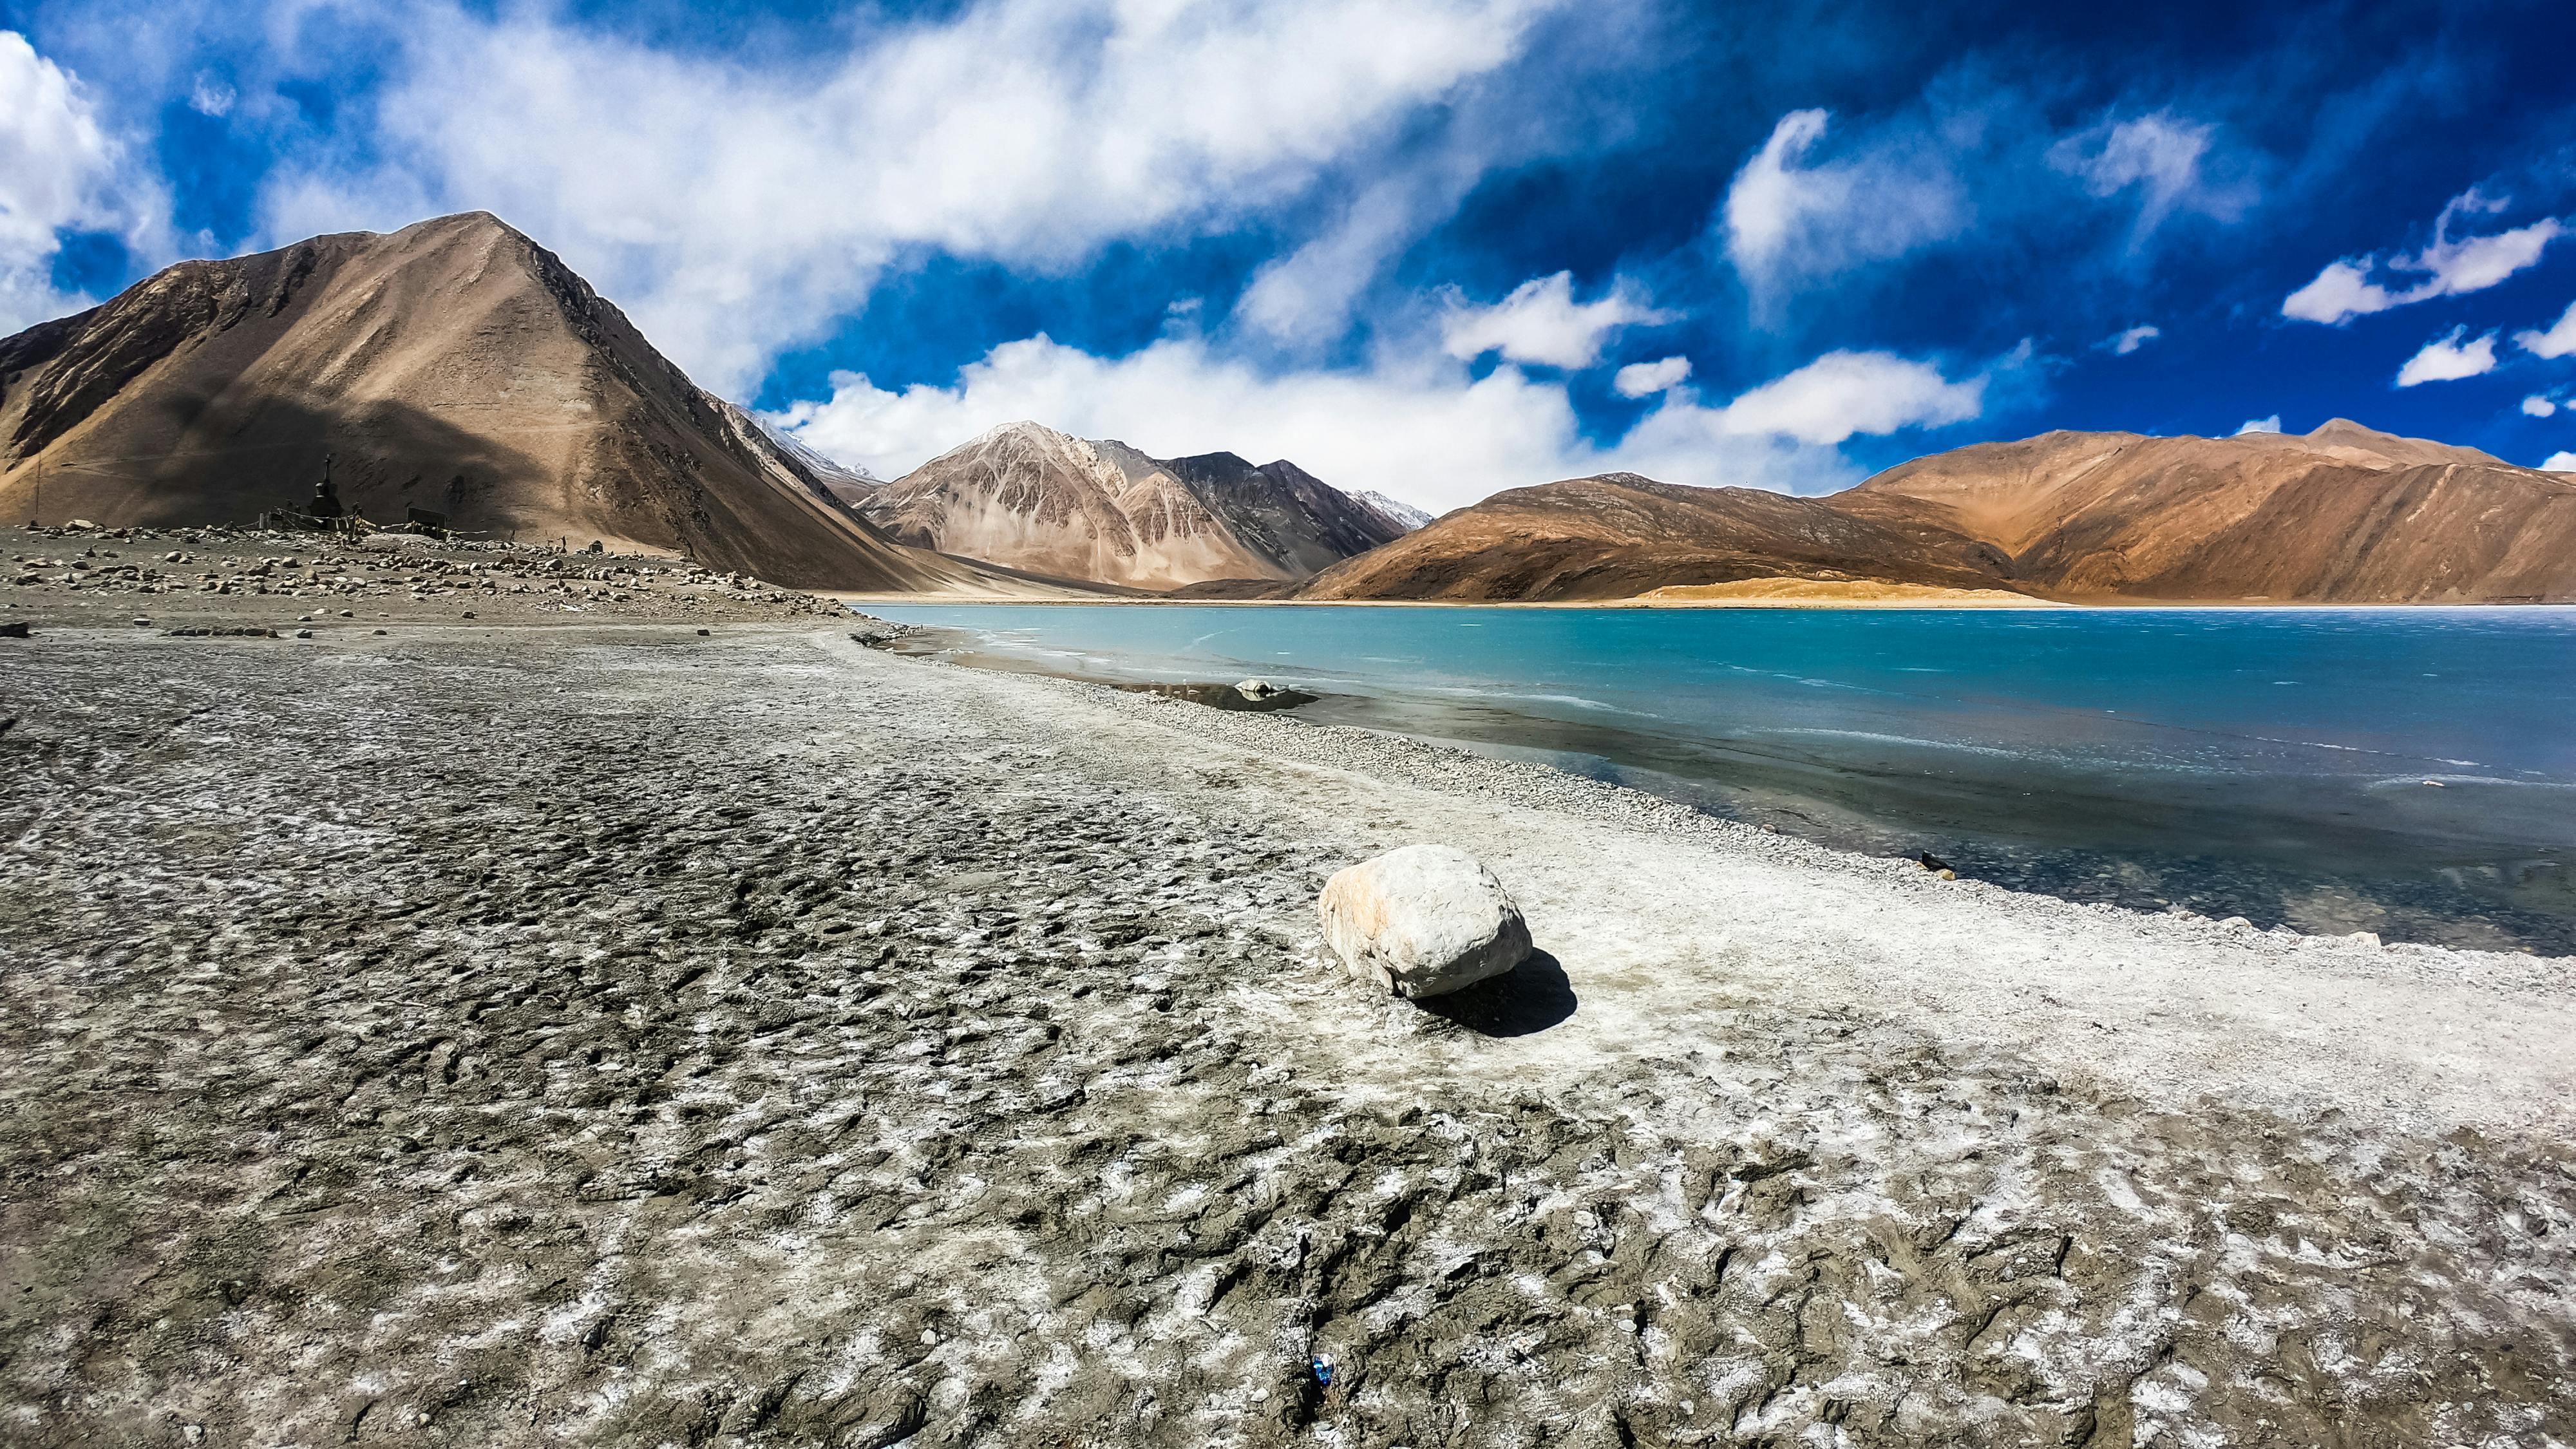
1436 247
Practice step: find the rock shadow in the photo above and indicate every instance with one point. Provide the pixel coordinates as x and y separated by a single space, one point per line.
1525 1000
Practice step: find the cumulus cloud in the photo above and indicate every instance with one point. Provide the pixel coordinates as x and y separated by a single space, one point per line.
1789 218
1645 379
2537 406
1540 322
2557 341
741 210
1415 425
2340 293
2123 343
2448 359
1842 393
2271 424
59 171
2450 266
2560 463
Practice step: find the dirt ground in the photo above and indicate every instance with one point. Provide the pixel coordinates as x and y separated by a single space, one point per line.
213 577
492 1033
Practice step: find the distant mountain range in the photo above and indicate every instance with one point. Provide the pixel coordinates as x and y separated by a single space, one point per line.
453 366
2341 515
457 367
1033 499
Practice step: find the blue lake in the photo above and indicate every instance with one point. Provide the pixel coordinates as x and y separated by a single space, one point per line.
2269 763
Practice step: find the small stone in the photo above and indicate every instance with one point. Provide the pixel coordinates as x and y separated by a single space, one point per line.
1422 921
303 633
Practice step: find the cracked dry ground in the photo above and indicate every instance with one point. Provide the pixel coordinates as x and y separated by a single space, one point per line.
636 1038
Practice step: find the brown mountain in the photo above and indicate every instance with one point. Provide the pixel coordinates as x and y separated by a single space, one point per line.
454 366
1028 497
1284 513
2343 514
1620 535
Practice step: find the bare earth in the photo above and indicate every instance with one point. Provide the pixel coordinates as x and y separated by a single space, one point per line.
579 1029
1836 593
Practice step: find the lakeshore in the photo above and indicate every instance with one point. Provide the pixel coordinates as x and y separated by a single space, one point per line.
536 1031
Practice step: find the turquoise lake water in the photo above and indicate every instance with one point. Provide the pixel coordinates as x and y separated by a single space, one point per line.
2266 763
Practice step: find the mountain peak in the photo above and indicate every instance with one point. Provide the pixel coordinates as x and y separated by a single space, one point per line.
453 367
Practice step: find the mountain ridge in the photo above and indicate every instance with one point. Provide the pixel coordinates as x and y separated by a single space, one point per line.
2343 514
1026 496
453 365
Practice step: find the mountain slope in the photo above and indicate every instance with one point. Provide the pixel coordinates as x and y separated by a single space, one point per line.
1403 515
1282 512
453 365
2344 514
1619 535
1028 497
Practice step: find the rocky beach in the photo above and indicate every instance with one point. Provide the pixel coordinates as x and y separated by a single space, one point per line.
679 1023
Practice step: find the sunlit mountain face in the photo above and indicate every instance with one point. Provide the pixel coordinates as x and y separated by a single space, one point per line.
1500 242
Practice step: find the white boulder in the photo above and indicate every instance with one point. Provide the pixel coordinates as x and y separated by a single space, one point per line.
1423 920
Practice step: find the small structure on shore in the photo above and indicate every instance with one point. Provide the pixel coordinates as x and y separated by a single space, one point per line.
322 513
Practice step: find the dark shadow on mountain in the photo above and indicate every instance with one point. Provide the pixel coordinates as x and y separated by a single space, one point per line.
1527 999
185 458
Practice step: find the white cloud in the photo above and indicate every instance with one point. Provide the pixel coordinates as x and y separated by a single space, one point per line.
1787 219
2123 343
2162 157
2537 406
1414 425
59 170
1417 428
2448 359
1645 379
2271 424
1541 322
2558 341
1842 393
210 96
2451 266
2560 463
734 211
2340 293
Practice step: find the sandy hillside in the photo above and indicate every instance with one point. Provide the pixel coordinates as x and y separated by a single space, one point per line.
1836 592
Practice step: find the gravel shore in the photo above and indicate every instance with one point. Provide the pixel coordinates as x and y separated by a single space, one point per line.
499 1032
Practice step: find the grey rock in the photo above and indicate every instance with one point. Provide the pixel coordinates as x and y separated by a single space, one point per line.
1422 921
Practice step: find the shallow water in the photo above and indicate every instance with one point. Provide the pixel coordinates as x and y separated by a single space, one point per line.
2269 763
